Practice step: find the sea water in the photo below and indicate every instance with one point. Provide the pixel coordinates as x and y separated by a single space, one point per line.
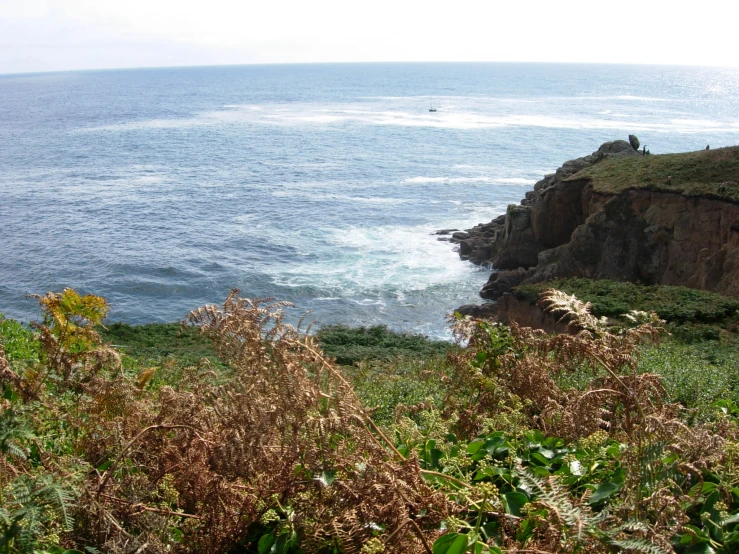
322 185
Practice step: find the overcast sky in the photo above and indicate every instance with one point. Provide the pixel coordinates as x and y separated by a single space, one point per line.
50 35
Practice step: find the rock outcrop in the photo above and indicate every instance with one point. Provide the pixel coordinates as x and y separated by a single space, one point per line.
567 227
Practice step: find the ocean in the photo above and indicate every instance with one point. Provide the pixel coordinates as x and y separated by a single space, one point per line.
322 185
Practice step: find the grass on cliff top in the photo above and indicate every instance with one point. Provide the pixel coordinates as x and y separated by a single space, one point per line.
712 173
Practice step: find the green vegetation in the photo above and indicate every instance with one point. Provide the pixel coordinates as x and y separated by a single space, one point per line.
238 434
157 342
350 345
696 375
699 358
676 305
713 173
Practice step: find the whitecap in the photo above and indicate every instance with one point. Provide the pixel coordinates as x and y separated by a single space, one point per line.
456 180
308 114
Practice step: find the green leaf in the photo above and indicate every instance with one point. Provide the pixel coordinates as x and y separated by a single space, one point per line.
701 548
546 453
708 487
514 501
483 473
326 478
10 394
105 465
265 543
539 458
474 446
434 455
604 491
710 501
697 532
450 543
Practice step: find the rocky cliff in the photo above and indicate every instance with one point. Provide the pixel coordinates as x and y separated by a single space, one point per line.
618 214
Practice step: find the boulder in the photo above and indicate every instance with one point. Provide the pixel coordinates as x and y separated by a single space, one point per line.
445 231
501 282
634 142
479 311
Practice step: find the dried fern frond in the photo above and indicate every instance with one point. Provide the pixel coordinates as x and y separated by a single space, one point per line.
286 428
571 310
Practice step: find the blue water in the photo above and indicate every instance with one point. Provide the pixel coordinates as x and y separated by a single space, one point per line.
162 189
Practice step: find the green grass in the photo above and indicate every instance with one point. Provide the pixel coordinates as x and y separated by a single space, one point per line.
713 173
155 343
698 360
696 375
350 345
383 385
677 305
18 341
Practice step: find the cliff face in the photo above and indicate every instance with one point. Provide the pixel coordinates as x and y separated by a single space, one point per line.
614 215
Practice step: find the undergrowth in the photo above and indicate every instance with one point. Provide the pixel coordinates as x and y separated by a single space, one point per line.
676 305
349 345
514 441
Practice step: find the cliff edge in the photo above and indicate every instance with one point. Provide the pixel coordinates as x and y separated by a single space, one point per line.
670 219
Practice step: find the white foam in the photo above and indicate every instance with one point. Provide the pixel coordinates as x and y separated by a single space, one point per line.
516 181
310 114
419 180
372 262
456 180
341 197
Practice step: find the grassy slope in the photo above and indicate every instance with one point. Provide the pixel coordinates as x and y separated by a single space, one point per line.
156 342
713 173
349 345
699 360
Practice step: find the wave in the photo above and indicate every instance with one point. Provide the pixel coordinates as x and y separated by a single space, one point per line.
456 180
341 197
546 98
309 114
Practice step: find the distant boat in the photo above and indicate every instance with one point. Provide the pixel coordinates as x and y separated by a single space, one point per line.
432 109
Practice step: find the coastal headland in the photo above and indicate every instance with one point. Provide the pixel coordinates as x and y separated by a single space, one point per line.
620 214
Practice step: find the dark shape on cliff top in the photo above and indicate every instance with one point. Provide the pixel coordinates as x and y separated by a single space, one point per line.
634 142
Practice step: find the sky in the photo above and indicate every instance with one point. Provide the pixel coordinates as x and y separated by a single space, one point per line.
57 35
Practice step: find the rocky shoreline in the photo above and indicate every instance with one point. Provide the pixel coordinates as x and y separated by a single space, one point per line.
568 227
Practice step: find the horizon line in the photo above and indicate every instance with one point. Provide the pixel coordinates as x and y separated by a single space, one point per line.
394 62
